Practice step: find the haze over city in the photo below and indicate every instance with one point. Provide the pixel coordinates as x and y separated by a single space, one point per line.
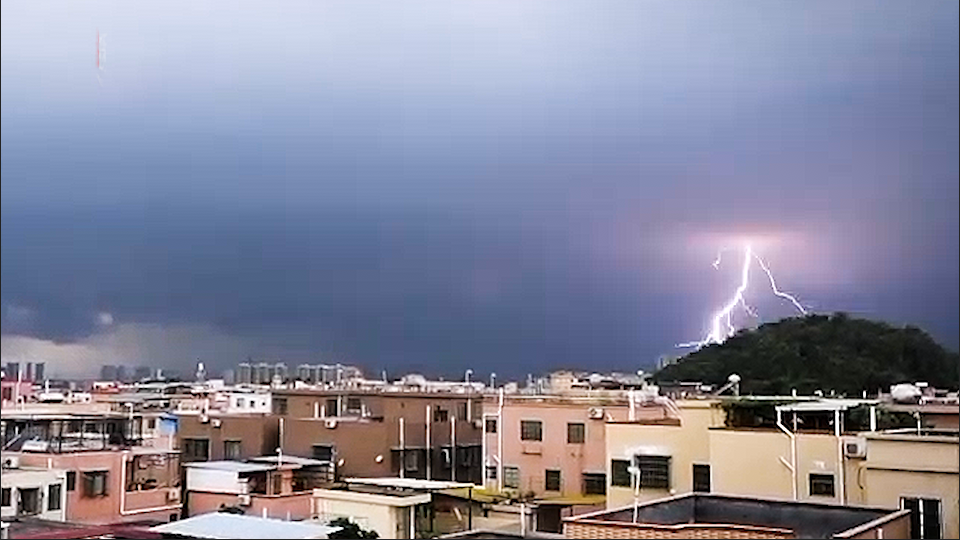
509 187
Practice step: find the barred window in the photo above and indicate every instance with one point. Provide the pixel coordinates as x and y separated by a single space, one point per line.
701 478
95 484
232 450
491 424
552 480
511 477
594 484
620 473
531 430
654 471
576 433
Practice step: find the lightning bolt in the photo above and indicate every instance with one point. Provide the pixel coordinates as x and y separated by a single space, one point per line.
778 292
722 326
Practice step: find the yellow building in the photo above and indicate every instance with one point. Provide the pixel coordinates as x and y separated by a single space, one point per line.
804 453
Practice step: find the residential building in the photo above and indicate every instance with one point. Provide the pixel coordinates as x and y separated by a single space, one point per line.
217 436
801 449
555 445
387 432
31 491
112 475
262 486
720 516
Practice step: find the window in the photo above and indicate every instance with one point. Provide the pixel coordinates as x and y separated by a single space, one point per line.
511 477
280 406
241 403
276 480
531 430
196 449
29 501
71 480
491 425
331 408
411 461
95 484
620 473
53 497
576 433
323 452
654 471
821 484
152 423
5 497
701 478
462 411
924 517
594 484
552 480
354 405
440 415
232 449
491 472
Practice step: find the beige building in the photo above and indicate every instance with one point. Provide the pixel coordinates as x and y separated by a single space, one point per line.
555 445
722 516
804 453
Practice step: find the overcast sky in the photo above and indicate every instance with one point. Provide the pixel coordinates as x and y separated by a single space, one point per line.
505 186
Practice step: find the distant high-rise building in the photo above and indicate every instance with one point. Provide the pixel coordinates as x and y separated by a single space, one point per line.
39 371
142 372
280 371
123 373
108 372
229 377
13 371
244 373
263 373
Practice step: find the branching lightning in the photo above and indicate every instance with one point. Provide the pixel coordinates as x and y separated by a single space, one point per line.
722 326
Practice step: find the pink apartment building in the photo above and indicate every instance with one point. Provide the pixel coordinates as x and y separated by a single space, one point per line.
553 445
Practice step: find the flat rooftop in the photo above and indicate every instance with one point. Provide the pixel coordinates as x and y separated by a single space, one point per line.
805 519
223 525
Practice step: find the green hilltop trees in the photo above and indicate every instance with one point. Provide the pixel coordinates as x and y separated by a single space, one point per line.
821 352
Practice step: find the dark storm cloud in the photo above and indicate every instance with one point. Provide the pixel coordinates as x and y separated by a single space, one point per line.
513 185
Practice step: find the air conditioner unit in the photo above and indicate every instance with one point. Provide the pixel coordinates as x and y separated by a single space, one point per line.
330 423
478 424
173 495
243 500
855 448
11 462
596 413
216 422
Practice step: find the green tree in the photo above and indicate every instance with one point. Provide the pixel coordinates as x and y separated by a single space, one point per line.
821 352
350 529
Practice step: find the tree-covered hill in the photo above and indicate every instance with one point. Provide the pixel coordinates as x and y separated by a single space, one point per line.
821 352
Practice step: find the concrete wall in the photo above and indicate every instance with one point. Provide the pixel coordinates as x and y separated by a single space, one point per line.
747 462
387 515
18 479
686 444
534 458
914 466
257 433
138 505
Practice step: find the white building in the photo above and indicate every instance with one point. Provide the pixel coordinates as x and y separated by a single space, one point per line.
29 491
